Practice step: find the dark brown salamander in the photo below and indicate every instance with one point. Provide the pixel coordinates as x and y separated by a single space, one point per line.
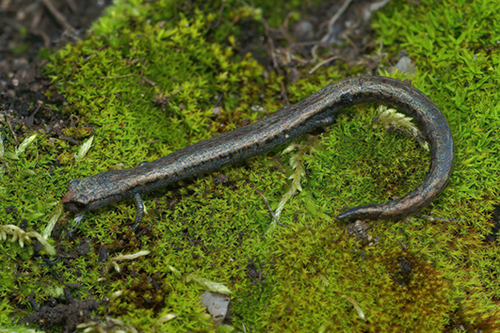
317 110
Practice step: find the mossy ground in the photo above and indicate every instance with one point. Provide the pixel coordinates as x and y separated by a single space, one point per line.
419 276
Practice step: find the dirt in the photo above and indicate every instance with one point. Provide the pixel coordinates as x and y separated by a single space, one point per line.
28 27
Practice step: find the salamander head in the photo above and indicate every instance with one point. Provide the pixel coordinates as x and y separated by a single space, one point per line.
91 193
73 201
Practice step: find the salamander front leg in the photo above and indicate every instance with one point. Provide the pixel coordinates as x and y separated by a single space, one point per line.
139 204
140 211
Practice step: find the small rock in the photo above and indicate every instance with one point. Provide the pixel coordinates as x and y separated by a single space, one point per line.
406 65
303 31
217 111
217 305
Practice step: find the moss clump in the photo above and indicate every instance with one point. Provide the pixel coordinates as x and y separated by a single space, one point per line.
146 82
319 268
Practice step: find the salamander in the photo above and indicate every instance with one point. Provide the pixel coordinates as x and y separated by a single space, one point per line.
318 110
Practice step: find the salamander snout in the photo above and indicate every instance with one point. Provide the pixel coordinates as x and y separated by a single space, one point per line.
71 204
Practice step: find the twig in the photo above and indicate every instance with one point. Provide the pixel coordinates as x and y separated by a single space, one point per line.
284 94
57 15
335 17
221 11
72 5
323 63
45 37
31 118
143 78
284 29
268 206
143 68
331 23
271 43
37 17
12 130
310 42
301 61
287 19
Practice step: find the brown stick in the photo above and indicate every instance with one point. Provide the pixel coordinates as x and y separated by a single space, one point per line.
12 130
268 206
57 15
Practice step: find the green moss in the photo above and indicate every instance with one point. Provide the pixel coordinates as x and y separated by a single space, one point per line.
145 82
392 287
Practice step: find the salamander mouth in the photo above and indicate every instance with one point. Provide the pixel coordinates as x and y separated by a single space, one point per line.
71 204
74 206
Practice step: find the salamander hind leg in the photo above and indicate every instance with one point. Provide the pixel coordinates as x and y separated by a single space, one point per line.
140 211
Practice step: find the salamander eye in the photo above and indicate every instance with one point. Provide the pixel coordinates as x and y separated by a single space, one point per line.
73 201
74 184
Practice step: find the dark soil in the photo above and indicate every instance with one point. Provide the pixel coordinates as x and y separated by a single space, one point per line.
26 28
